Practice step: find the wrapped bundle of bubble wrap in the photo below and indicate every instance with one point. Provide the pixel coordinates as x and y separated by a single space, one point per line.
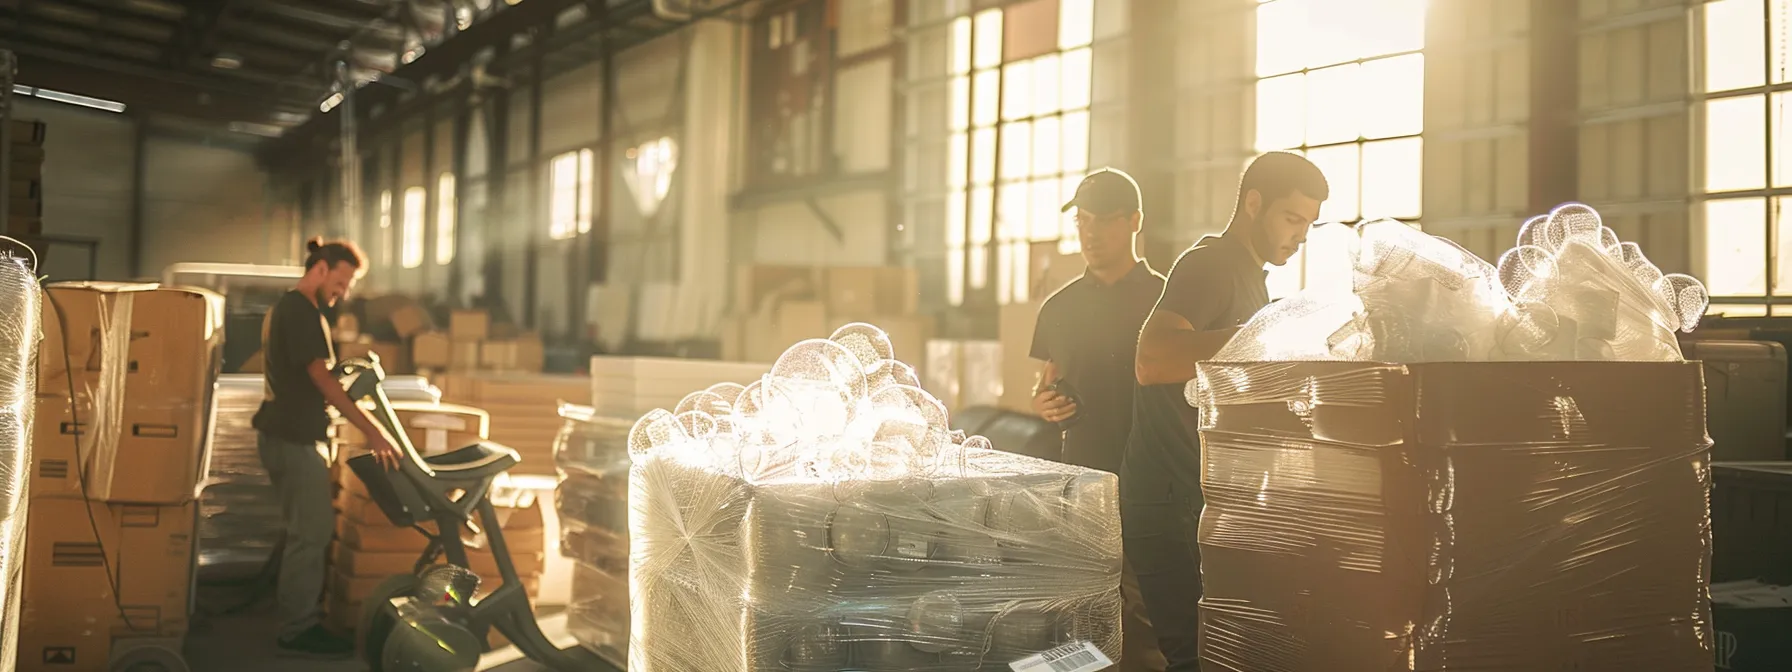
591 453
1570 290
19 334
239 513
1397 477
825 518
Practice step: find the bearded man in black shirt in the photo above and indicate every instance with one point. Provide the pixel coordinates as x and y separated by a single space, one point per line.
292 430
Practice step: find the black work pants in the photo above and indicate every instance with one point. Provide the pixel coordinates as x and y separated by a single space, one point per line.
1159 521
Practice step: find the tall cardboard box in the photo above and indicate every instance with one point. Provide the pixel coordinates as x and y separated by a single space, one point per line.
469 325
147 549
162 340
463 356
432 351
60 440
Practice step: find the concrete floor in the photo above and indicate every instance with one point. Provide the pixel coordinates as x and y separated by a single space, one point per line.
245 641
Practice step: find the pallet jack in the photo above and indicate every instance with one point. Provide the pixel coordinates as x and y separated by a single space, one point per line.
428 620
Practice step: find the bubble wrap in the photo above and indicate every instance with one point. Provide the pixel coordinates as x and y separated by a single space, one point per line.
19 333
825 518
1570 290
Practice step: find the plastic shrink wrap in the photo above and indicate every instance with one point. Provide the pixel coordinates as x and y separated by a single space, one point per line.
1570 290
591 453
19 334
824 518
1437 511
239 514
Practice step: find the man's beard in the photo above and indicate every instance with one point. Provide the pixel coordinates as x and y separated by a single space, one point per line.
321 297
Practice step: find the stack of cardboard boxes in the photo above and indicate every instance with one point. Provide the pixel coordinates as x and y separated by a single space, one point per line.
25 206
524 409
473 343
125 376
628 387
776 306
369 548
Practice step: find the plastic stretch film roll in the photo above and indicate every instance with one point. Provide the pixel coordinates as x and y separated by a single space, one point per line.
825 518
20 330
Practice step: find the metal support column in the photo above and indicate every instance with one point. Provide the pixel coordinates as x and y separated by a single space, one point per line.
349 169
533 224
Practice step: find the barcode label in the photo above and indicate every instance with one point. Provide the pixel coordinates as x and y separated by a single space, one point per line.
1073 657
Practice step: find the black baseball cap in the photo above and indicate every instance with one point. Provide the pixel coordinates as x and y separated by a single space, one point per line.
1105 192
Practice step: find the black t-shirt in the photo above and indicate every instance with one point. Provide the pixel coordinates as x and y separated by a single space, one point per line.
1091 331
1216 284
292 408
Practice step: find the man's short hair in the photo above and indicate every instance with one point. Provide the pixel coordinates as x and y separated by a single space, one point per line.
1279 174
332 253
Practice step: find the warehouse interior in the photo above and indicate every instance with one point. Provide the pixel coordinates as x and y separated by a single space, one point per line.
582 221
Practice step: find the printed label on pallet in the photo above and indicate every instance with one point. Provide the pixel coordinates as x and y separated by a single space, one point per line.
1072 657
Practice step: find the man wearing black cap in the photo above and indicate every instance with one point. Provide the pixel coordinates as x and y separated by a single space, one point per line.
1086 335
1214 287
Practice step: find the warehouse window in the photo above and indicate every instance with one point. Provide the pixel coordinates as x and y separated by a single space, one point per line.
1019 143
649 173
411 237
1747 173
570 196
1342 81
386 228
445 219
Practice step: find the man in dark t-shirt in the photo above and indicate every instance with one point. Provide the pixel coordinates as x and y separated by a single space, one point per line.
292 434
1086 337
1214 288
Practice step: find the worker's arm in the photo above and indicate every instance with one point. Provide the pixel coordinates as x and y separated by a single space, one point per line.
1169 348
377 440
1047 402
1181 329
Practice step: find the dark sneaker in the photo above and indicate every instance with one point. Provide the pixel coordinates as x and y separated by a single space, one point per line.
317 643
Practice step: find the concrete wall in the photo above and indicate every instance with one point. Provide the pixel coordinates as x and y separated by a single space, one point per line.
202 199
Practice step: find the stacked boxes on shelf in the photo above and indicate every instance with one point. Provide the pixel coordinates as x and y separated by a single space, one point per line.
474 343
25 205
524 409
125 378
369 548
779 305
626 387
592 504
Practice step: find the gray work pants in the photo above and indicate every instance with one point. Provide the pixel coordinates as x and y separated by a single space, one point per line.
300 471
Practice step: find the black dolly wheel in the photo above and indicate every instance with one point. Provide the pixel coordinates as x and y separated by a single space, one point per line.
376 618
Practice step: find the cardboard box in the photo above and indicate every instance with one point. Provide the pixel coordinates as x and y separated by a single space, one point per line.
1751 638
431 350
469 325
874 290
433 428
26 207
148 549
27 132
348 327
164 339
144 455
24 226
31 153
463 356
1521 504
758 287
522 353
409 320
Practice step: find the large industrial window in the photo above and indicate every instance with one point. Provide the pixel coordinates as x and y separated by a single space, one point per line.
386 244
1746 172
570 193
410 252
1019 143
1342 81
445 219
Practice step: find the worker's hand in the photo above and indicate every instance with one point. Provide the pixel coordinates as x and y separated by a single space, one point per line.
383 451
1052 406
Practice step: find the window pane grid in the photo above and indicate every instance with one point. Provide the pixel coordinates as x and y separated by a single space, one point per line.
1310 101
1746 168
1019 135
